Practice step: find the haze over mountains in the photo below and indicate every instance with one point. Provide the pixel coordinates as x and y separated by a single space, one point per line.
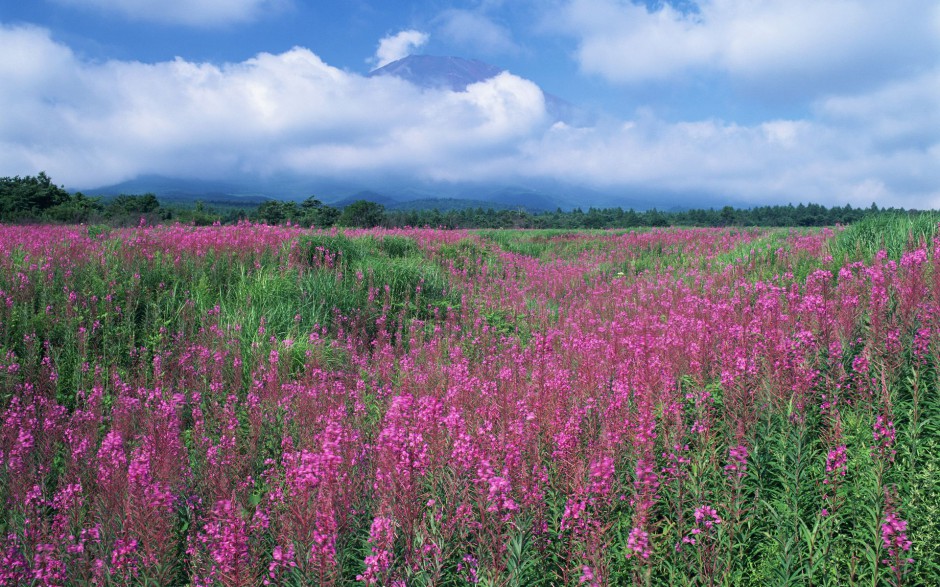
407 192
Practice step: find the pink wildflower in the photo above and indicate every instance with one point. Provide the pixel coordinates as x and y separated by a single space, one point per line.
894 537
884 436
707 516
382 538
737 461
638 543
836 464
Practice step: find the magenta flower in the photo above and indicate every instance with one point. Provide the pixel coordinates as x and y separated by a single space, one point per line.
587 576
894 539
706 516
737 461
884 436
836 464
638 543
382 539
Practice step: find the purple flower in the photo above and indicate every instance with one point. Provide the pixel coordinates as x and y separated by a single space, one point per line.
638 543
737 461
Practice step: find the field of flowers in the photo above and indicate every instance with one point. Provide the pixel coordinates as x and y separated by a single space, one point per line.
247 405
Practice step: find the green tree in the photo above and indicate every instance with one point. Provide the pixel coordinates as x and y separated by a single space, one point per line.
126 204
313 212
79 208
26 198
728 216
362 214
276 212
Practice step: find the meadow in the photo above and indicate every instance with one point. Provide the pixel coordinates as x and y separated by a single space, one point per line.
253 404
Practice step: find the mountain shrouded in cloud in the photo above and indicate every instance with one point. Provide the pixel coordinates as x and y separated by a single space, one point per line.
289 112
394 47
427 71
456 74
713 104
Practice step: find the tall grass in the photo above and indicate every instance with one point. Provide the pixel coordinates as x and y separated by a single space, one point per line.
893 233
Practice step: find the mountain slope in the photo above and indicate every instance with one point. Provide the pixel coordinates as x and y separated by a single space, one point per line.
428 71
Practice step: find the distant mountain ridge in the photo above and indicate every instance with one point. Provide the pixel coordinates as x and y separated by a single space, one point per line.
533 195
174 191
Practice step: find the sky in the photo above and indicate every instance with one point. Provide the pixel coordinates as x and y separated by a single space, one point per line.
761 101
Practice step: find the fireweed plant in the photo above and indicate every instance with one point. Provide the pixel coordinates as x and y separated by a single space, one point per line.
257 405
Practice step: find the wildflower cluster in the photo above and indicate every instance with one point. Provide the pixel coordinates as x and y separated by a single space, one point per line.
254 405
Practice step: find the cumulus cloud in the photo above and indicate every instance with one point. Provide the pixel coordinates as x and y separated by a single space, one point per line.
473 30
184 12
791 46
395 47
93 123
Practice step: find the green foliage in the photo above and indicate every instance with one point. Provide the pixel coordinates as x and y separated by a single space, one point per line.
78 209
466 255
361 276
321 248
399 246
521 243
133 204
802 215
362 214
130 209
28 198
313 212
310 212
276 212
893 232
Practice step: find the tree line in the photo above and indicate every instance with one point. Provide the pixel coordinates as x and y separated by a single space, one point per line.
38 199
779 215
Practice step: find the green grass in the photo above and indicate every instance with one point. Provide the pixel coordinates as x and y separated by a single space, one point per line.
894 233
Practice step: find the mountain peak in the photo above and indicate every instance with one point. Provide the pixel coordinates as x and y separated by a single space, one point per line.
430 71
456 73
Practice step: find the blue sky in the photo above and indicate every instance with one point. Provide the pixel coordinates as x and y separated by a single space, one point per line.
831 101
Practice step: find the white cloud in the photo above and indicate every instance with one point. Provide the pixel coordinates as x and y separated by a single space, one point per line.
184 12
397 46
776 161
88 123
93 123
904 113
476 32
440 135
790 46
